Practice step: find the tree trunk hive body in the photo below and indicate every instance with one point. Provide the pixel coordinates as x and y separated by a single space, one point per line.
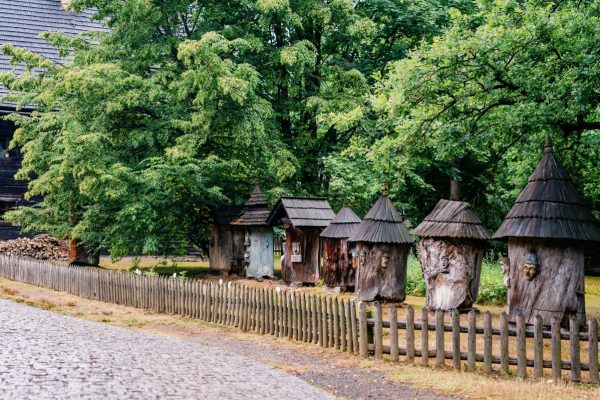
226 251
258 256
556 290
381 271
547 229
338 270
452 270
302 255
451 251
382 243
260 251
304 219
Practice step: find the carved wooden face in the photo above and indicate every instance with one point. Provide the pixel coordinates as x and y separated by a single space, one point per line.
362 259
385 260
296 248
530 271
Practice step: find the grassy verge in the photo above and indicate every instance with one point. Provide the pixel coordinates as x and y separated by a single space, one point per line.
460 384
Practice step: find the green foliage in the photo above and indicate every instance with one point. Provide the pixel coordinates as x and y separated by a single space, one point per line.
486 92
142 136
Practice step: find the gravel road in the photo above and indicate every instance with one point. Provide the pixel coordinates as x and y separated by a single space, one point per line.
44 355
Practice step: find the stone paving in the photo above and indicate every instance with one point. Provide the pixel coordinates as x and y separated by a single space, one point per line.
49 356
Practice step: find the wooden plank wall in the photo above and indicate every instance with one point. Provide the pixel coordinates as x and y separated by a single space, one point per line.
340 323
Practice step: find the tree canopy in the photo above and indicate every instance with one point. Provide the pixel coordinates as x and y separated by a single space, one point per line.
151 127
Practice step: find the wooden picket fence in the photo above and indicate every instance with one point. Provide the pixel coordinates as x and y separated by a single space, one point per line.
335 322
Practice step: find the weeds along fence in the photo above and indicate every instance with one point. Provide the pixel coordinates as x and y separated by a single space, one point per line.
338 322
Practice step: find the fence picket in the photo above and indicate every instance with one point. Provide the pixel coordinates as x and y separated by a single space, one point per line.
440 355
393 333
425 336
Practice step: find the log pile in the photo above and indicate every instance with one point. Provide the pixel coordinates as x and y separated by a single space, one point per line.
41 247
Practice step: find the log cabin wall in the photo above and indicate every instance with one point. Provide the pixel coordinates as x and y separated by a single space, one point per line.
337 263
452 271
557 290
378 278
303 245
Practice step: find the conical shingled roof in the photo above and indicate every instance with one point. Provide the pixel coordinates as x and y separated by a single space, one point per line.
257 211
382 224
342 226
550 207
452 219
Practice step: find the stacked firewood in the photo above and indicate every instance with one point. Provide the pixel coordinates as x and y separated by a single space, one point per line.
41 247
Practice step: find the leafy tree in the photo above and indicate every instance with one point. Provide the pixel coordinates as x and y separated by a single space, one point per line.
173 113
487 92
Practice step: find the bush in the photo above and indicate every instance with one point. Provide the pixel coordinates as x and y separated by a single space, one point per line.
491 286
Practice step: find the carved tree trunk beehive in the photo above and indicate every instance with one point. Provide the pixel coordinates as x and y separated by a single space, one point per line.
381 271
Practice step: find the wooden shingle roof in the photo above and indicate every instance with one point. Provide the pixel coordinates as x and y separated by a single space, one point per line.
302 212
382 224
342 225
257 211
452 219
22 22
550 207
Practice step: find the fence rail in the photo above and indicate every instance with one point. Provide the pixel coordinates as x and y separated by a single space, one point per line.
336 322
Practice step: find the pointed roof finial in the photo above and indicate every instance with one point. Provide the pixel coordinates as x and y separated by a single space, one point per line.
548 145
384 189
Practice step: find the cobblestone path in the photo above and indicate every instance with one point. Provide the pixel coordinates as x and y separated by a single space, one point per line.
48 356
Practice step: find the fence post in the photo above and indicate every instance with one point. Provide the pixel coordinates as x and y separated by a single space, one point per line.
556 351
393 334
593 350
538 351
354 326
336 324
471 341
440 352
455 339
425 336
314 319
575 356
362 328
487 342
521 347
343 336
504 343
378 331
410 334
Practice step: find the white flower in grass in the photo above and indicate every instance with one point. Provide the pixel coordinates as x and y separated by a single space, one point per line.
278 289
137 271
174 274
220 282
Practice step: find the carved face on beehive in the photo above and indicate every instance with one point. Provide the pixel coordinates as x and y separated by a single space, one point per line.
530 268
385 260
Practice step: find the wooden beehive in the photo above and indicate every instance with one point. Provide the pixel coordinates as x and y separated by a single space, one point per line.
226 246
547 229
303 219
337 253
451 250
258 236
382 244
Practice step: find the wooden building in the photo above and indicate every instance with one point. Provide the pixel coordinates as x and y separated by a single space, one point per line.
258 236
547 229
451 249
303 219
382 244
337 254
226 245
22 23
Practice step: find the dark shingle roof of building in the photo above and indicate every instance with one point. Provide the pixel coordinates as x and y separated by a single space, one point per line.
22 22
342 226
257 211
550 207
302 212
382 224
452 219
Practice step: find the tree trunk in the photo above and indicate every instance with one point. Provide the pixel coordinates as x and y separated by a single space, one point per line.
377 278
451 270
557 288
80 254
